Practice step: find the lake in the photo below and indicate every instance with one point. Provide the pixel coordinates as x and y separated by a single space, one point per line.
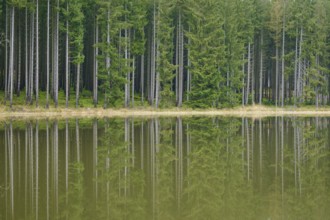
165 168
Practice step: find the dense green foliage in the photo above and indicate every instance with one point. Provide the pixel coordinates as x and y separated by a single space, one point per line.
214 53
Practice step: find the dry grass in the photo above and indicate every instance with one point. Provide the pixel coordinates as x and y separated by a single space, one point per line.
256 111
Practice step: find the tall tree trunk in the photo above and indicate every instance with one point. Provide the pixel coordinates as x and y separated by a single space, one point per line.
276 76
153 58
26 56
283 53
142 79
296 70
31 58
96 67
47 55
179 104
37 53
127 73
78 85
248 76
299 78
133 81
243 78
188 70
261 67
56 55
108 60
19 57
11 54
67 59
6 53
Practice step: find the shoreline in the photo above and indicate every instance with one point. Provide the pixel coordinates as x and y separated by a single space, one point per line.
256 111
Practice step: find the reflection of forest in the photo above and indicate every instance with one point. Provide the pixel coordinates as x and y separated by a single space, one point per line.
166 168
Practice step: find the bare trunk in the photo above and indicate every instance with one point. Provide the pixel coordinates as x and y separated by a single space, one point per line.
107 60
180 61
153 58
78 85
276 77
26 56
47 56
37 53
19 58
133 81
296 70
67 59
243 78
142 78
261 68
31 58
96 64
11 54
283 53
6 55
248 76
56 56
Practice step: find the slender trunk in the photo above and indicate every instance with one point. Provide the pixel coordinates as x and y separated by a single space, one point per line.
133 80
11 54
47 56
248 76
276 77
180 61
78 85
127 73
108 55
96 64
153 58
142 79
67 59
283 53
299 77
296 70
261 68
31 58
157 67
188 70
253 88
243 79
6 53
56 55
19 57
37 53
26 55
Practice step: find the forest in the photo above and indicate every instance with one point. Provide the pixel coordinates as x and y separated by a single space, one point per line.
164 53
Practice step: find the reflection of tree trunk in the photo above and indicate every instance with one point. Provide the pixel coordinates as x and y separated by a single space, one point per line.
142 144
95 162
247 148
260 151
179 165
282 155
66 161
11 169
127 138
37 170
77 140
47 169
31 165
56 166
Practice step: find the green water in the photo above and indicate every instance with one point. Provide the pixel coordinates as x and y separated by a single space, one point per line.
165 168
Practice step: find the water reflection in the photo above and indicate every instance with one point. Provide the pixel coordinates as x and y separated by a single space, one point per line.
166 168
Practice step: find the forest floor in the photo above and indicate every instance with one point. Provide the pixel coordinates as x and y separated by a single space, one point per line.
256 111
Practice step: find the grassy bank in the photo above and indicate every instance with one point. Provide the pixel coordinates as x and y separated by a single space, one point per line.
22 111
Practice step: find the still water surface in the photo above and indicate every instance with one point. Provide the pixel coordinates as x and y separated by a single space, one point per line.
165 168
